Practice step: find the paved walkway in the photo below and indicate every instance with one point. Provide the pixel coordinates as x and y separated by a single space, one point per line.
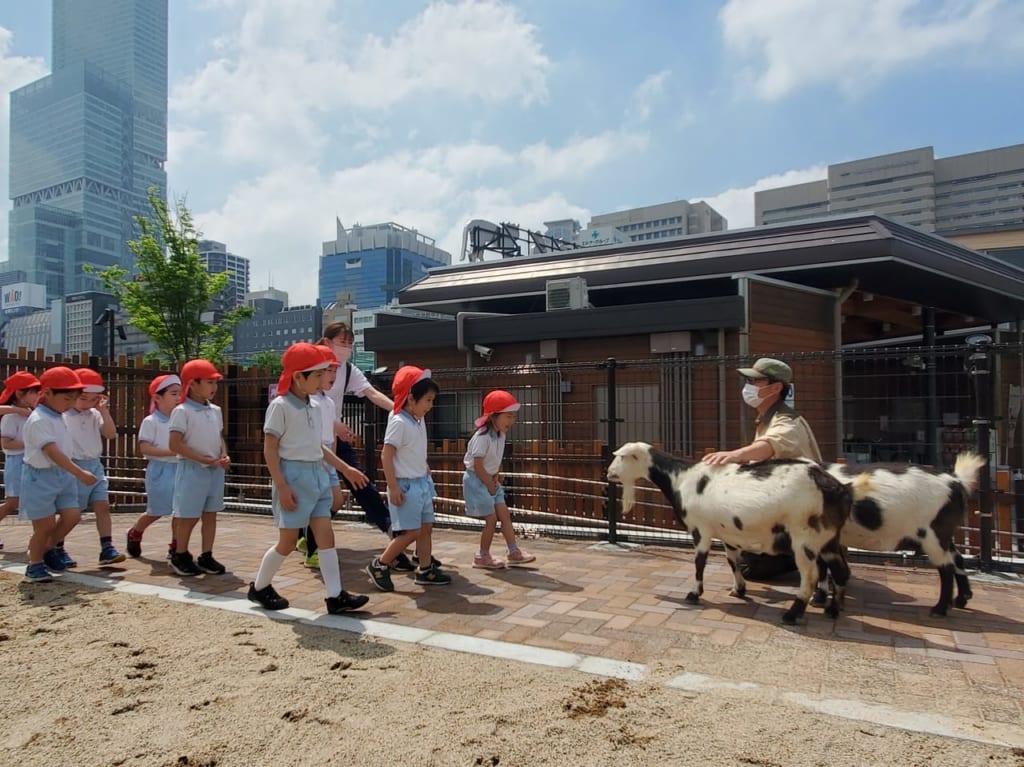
623 613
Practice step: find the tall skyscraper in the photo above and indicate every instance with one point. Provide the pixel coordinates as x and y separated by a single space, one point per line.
88 141
216 259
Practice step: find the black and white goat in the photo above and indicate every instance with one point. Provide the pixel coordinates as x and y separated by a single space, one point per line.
774 507
899 507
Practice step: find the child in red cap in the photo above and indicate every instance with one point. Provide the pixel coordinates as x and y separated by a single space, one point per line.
196 435
293 444
485 497
20 394
50 478
410 487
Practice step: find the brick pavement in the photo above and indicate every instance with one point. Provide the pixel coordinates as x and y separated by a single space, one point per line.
883 652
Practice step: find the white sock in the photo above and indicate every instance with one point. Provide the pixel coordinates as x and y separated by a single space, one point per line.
330 571
271 563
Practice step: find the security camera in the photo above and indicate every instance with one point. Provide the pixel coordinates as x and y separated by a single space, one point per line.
484 351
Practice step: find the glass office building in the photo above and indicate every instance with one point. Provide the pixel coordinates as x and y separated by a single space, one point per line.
88 141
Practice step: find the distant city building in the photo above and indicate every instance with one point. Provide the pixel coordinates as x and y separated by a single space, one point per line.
81 334
374 262
275 328
655 222
968 193
371 318
87 143
269 301
31 331
216 260
22 298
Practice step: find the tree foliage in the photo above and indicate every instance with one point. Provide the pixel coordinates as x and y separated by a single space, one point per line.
268 360
171 291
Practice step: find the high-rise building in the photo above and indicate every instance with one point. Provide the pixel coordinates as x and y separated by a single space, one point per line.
374 262
654 222
216 260
87 143
952 196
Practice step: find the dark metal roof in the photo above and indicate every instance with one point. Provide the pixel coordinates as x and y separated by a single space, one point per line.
881 255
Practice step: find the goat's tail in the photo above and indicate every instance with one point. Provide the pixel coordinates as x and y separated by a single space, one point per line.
966 469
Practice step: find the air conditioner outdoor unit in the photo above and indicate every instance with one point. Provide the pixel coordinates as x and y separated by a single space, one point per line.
570 293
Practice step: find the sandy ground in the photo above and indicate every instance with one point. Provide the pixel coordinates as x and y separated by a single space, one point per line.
100 678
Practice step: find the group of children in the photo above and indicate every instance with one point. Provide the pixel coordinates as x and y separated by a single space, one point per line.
53 430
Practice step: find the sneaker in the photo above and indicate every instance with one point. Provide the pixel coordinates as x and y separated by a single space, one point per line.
133 544
487 562
267 598
380 575
110 556
520 557
38 573
402 563
66 559
345 602
434 561
53 560
432 576
184 565
300 545
209 565
312 561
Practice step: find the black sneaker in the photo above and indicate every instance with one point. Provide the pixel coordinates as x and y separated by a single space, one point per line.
208 564
432 576
133 545
267 598
434 561
402 564
184 565
380 575
345 602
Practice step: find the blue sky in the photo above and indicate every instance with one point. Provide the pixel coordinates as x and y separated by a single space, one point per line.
286 113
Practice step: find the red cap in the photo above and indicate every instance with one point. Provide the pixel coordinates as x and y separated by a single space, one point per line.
404 379
193 370
328 355
497 401
60 378
92 380
15 382
299 358
160 383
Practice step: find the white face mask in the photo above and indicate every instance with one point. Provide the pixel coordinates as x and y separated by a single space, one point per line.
341 353
752 395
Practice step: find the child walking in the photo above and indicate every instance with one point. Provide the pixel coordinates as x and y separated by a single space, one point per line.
90 424
161 461
20 394
196 436
293 445
484 495
50 479
410 486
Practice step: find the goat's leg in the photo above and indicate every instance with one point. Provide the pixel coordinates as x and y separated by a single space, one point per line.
820 596
739 588
943 559
834 556
806 562
963 585
699 560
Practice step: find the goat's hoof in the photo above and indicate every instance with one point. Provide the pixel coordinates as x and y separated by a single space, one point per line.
693 598
739 593
789 619
832 611
819 598
961 601
938 612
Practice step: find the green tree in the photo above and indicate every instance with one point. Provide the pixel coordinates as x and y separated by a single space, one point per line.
168 296
268 360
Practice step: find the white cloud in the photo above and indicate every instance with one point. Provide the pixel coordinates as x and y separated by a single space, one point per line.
789 44
15 71
291 64
646 95
737 204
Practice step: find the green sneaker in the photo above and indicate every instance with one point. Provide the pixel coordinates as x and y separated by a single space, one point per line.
312 561
380 575
432 576
300 545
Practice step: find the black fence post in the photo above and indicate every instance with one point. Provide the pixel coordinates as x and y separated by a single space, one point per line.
612 490
979 364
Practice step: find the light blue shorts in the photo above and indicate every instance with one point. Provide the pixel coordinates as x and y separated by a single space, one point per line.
160 487
12 474
479 502
309 482
89 493
332 475
47 491
418 509
198 488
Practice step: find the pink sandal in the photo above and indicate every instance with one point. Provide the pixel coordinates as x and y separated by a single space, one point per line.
487 562
520 557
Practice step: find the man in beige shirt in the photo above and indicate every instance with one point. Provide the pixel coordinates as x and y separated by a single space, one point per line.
781 433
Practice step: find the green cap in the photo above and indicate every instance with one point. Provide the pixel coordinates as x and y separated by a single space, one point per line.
766 367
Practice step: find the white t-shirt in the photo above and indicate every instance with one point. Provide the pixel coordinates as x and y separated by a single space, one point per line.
298 425
155 430
489 445
44 427
328 415
409 438
85 427
11 426
201 426
357 385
